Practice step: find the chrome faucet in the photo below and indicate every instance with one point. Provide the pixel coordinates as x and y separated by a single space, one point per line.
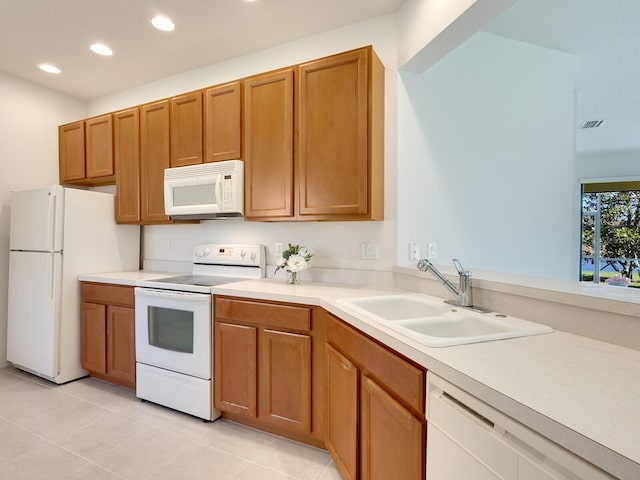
463 293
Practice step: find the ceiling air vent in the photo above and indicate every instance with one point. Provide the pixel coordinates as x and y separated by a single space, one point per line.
591 124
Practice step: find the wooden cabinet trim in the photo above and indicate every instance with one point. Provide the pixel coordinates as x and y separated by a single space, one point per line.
109 294
394 372
272 315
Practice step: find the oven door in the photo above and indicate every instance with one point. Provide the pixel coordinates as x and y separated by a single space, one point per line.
173 331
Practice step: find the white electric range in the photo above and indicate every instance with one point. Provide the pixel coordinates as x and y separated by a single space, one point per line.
174 334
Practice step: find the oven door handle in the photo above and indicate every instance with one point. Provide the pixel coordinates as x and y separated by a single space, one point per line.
158 293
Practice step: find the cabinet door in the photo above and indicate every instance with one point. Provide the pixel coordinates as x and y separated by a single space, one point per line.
71 152
186 129
391 438
154 158
94 337
333 99
236 357
222 125
341 429
99 138
126 152
285 392
121 345
268 145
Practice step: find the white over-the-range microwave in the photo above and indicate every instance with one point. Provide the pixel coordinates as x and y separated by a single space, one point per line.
205 191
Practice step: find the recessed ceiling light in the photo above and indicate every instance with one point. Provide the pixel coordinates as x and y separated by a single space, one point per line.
101 49
163 23
47 67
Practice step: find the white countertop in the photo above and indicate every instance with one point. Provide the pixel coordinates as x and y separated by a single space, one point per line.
581 393
124 278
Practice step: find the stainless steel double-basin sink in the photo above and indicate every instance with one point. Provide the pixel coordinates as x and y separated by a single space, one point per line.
435 323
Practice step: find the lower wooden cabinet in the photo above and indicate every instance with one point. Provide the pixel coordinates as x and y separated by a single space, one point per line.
341 432
391 437
108 333
269 366
375 418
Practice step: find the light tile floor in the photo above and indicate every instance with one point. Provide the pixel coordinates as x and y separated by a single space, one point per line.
93 430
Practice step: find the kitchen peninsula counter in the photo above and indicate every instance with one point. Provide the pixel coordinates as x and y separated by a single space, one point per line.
583 394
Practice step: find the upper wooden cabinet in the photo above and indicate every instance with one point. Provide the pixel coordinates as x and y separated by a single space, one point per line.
86 151
154 158
340 115
222 122
71 152
311 137
186 129
126 152
99 145
268 145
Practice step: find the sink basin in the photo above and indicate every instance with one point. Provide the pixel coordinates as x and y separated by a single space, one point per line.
397 307
435 323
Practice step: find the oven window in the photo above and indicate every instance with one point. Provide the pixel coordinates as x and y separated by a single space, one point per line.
171 329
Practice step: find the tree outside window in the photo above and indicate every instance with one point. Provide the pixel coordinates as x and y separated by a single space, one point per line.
611 232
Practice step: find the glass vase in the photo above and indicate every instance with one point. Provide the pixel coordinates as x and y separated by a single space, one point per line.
293 278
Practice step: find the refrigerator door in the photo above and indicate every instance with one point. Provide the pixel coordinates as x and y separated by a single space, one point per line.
37 219
33 322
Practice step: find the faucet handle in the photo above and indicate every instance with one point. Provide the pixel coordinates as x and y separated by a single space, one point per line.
459 268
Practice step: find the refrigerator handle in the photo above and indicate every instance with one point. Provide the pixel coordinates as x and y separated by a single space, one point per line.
52 218
51 274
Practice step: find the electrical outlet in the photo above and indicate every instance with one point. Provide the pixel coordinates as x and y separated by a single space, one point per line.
432 251
369 251
414 251
278 249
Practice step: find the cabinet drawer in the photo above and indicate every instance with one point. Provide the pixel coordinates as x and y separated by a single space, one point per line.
108 294
288 317
405 380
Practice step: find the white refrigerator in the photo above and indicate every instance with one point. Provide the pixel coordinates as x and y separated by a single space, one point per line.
57 233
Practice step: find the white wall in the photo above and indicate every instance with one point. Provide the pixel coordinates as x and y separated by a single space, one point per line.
486 159
335 244
429 29
28 156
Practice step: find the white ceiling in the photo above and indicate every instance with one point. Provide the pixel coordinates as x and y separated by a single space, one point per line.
604 35
207 31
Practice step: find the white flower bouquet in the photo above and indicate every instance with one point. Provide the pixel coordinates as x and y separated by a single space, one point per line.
294 259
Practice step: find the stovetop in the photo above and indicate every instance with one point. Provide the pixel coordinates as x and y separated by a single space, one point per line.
215 264
197 280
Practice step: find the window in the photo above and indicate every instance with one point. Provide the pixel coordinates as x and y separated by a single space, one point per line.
611 233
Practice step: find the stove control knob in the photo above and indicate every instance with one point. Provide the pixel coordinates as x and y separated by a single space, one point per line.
207 251
199 252
253 255
243 253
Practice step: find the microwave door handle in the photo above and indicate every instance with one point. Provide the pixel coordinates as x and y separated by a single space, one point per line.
218 191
